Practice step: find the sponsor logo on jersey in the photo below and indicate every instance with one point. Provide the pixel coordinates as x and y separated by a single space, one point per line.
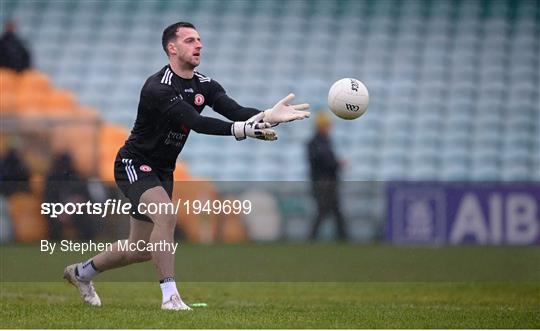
175 138
188 90
145 168
199 99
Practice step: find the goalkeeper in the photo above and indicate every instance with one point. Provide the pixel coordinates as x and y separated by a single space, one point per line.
170 105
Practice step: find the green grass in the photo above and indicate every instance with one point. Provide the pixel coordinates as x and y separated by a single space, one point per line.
289 286
299 263
278 305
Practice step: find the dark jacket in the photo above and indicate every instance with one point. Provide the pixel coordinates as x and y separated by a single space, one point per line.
13 53
14 174
322 160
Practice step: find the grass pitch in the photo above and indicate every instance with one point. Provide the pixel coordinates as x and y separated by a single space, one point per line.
402 288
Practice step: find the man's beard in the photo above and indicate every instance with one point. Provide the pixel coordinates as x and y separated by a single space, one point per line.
190 65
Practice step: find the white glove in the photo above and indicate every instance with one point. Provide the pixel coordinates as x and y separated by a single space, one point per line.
283 112
254 127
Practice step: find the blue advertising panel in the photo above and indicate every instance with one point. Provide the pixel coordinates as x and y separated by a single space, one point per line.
463 213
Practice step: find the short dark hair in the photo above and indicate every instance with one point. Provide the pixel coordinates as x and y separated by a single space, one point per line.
170 33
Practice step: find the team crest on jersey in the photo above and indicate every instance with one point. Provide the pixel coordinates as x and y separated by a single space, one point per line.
145 168
199 99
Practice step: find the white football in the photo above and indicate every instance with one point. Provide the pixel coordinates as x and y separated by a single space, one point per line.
348 98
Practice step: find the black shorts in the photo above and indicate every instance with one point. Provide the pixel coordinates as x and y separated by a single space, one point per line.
134 176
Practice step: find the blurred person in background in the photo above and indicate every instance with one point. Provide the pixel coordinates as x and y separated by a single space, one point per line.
14 173
64 185
324 174
13 53
170 106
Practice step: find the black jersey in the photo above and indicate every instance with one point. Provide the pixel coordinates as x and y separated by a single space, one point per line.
169 109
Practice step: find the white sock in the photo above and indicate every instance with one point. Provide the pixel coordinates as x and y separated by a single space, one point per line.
86 271
168 288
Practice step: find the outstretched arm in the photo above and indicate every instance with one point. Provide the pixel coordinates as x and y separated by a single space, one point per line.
229 108
280 113
183 113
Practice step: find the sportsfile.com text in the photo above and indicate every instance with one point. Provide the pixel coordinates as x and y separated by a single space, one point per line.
118 207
